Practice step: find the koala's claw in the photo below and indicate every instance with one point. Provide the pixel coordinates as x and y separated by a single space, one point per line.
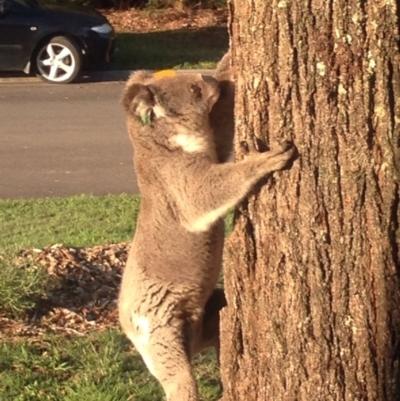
286 145
279 157
286 148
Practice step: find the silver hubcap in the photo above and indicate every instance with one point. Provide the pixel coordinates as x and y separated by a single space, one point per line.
56 62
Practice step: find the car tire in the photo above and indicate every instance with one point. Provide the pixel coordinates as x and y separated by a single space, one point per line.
58 61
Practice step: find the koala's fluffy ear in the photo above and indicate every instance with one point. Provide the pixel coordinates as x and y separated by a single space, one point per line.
138 99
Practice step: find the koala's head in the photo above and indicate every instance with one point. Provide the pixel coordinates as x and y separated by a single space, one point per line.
148 98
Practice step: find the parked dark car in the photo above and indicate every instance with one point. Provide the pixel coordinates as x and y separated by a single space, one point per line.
50 41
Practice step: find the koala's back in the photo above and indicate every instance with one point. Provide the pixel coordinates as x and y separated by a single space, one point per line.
168 249
222 114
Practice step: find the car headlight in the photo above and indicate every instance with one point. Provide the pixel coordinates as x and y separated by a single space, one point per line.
105 28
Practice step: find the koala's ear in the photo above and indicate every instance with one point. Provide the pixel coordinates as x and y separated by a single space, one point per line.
138 99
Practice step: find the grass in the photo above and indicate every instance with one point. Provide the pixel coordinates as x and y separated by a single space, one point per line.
96 367
180 49
20 287
75 221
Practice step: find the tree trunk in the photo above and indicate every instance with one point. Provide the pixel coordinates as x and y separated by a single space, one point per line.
312 268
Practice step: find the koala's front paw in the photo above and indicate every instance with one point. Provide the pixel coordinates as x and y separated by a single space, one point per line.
286 146
279 157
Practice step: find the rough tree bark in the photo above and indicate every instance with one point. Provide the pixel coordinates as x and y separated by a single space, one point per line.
312 269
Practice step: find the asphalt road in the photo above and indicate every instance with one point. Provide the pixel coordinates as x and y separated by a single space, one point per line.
61 140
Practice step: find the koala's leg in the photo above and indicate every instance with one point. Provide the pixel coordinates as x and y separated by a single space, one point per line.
166 356
209 336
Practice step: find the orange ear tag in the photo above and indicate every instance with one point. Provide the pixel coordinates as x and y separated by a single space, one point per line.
164 73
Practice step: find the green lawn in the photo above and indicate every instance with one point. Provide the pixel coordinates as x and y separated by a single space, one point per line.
74 221
100 366
181 49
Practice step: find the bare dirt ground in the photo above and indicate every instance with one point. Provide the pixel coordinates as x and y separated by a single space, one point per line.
165 20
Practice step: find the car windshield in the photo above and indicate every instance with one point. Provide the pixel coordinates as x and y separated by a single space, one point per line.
27 3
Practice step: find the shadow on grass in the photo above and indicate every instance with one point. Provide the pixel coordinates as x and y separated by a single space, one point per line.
180 49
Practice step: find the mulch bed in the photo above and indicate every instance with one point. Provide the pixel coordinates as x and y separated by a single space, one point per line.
83 294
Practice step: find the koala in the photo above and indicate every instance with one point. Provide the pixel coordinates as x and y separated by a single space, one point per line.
168 304
222 114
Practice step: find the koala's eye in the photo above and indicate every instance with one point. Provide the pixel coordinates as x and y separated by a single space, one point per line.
195 90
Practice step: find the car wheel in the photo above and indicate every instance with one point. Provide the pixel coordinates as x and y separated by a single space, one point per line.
58 61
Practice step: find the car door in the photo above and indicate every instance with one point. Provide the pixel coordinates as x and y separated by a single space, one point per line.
15 30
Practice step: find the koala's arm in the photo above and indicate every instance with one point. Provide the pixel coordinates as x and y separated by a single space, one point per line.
207 195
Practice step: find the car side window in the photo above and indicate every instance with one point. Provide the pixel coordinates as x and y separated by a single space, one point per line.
2 6
6 6
22 3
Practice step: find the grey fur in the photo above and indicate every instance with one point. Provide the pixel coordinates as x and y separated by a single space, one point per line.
168 305
222 114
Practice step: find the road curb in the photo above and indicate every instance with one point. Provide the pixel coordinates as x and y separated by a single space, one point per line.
91 76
